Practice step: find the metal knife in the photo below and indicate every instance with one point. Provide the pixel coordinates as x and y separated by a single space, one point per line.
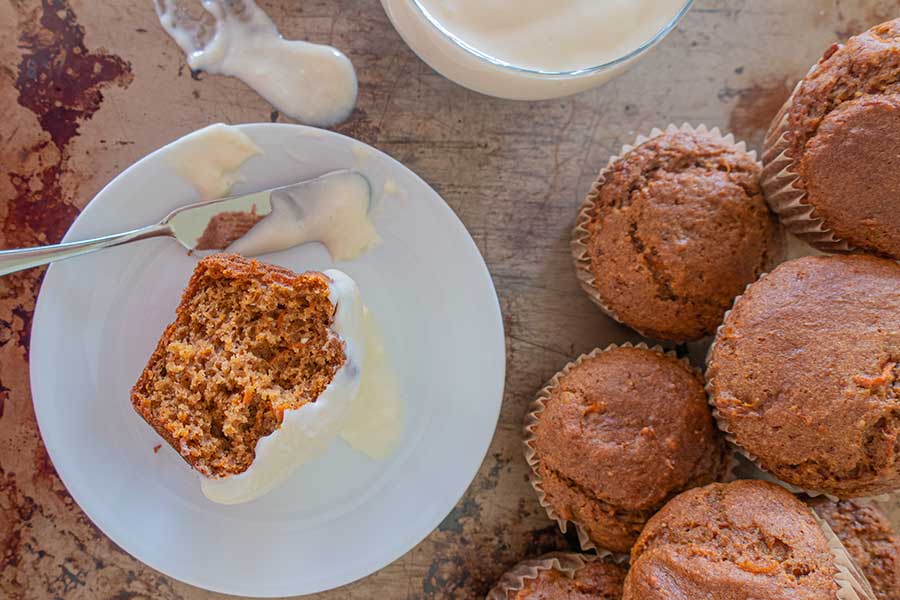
208 225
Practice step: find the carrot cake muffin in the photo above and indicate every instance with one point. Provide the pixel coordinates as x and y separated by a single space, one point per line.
616 435
838 139
562 576
255 374
805 374
676 228
740 541
867 535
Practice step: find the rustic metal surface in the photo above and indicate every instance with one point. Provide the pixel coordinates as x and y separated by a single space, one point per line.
89 86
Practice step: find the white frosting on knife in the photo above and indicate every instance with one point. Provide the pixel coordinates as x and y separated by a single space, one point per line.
332 209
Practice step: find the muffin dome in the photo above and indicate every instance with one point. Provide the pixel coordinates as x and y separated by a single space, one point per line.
621 432
870 540
840 135
805 374
674 230
740 541
584 578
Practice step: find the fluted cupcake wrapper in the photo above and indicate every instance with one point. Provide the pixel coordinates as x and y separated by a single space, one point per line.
581 234
852 584
515 579
533 417
729 436
779 175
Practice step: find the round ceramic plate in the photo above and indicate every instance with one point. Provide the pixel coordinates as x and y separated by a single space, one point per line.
340 517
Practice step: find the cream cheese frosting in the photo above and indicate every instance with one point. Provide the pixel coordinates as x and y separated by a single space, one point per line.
332 209
312 83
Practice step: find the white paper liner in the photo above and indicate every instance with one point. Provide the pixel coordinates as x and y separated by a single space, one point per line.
764 474
533 417
786 200
581 235
566 562
852 584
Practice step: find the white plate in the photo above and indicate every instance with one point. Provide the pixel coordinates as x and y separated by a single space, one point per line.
340 518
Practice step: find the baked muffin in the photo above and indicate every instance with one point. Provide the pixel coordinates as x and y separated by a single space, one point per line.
673 231
237 383
835 148
745 540
805 374
614 436
870 540
562 576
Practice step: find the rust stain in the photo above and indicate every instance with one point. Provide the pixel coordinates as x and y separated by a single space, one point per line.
755 108
60 81
16 516
4 396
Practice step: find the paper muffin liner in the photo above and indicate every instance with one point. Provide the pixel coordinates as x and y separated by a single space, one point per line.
765 474
581 234
852 583
566 562
533 417
785 199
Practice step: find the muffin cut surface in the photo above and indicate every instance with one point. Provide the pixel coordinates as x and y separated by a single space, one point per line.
249 341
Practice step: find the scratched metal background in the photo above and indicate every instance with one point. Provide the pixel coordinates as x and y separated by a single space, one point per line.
89 86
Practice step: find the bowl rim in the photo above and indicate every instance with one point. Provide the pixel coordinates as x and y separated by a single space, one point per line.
497 62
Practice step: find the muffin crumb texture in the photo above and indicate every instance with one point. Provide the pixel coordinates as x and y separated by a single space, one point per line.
597 580
621 433
678 228
866 533
249 341
805 374
843 136
747 539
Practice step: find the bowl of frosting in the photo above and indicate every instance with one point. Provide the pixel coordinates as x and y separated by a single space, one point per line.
533 49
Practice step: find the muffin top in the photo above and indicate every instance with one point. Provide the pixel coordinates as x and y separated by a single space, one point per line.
868 536
844 138
629 427
737 541
596 580
678 229
805 373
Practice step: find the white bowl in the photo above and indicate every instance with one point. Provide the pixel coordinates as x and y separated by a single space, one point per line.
465 65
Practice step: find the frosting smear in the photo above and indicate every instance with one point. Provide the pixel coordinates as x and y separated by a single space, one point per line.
312 83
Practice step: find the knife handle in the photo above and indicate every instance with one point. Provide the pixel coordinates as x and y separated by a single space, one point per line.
26 258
